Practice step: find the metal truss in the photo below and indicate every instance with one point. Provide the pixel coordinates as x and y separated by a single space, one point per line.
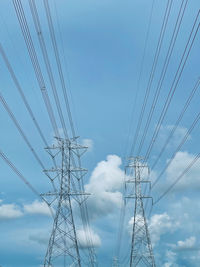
63 247
141 248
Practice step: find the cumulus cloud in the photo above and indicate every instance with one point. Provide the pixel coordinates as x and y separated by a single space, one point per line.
107 176
181 219
187 244
105 184
10 211
37 207
161 224
190 180
88 238
178 250
158 225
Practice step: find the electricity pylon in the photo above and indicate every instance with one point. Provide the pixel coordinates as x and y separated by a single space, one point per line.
141 248
63 247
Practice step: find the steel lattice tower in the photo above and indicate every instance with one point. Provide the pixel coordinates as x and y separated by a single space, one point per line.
141 248
63 248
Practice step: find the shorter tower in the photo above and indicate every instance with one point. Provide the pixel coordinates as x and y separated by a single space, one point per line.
141 248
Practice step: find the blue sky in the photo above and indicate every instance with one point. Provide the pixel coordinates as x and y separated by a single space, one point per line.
101 44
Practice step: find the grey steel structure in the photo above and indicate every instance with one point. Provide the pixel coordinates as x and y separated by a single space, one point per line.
141 248
63 247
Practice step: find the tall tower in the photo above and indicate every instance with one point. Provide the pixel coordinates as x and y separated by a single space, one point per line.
63 247
141 248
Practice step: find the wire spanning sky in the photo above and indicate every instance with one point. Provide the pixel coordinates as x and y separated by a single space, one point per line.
132 75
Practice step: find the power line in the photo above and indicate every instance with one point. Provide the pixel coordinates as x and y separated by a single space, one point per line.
34 60
83 209
123 205
178 178
140 74
28 107
59 66
47 62
19 174
174 85
16 82
188 101
153 68
197 118
163 72
13 118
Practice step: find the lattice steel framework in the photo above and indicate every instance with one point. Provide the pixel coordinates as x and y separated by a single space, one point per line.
141 248
63 247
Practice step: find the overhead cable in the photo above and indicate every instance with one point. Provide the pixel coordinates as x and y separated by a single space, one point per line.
178 178
59 66
153 68
188 101
187 134
175 82
47 63
13 118
35 62
163 72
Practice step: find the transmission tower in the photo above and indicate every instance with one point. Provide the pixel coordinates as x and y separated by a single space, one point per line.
63 247
141 248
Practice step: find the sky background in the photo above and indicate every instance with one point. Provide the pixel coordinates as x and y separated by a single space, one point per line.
102 46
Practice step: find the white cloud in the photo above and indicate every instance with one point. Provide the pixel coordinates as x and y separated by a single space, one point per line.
188 244
182 220
37 207
178 252
158 225
10 211
161 224
107 176
104 185
88 238
103 203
